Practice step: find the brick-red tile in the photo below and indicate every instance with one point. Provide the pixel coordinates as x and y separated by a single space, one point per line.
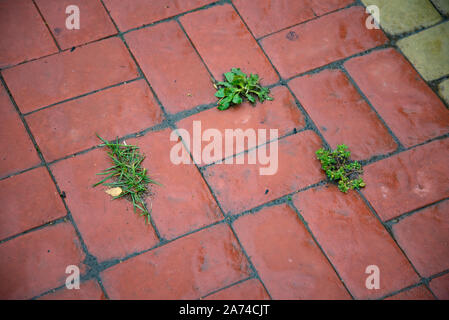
135 13
172 66
409 107
342 115
89 290
248 290
24 34
266 16
240 187
440 287
416 293
429 252
28 200
354 239
224 42
109 227
17 151
287 259
281 113
68 128
49 80
36 262
321 41
187 268
94 21
184 202
409 180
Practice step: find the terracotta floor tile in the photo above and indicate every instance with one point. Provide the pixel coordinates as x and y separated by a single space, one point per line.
440 286
354 239
320 42
24 34
409 180
248 290
28 200
287 259
187 268
214 31
36 262
429 252
172 66
341 114
266 16
49 80
68 128
240 187
184 202
417 293
89 290
407 104
281 114
109 228
135 13
94 21
17 151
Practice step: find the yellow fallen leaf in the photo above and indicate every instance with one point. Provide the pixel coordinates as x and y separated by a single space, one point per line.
114 192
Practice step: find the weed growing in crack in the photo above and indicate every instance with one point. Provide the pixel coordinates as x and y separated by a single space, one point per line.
340 168
238 86
129 179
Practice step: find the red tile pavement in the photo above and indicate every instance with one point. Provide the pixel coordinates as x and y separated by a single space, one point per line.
187 268
135 13
172 66
281 113
357 90
406 103
49 80
342 115
354 239
409 180
429 252
24 34
295 171
36 262
440 286
89 290
17 151
416 293
109 228
288 261
184 202
67 128
94 21
224 42
248 290
321 41
28 200
266 16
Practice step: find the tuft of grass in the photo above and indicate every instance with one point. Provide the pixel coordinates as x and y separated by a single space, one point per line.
127 173
238 86
340 168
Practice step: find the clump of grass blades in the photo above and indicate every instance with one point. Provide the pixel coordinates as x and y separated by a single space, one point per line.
127 173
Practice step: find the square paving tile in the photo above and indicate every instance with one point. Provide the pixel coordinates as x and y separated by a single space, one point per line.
248 290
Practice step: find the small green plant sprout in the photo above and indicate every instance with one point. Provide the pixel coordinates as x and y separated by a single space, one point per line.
129 179
238 86
340 168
